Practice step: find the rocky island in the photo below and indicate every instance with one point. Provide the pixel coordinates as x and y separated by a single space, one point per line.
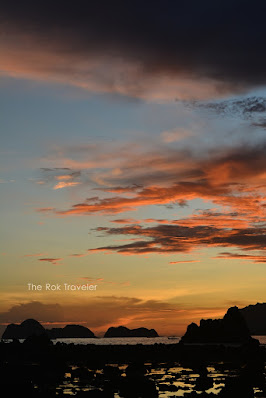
25 329
70 331
31 327
122 331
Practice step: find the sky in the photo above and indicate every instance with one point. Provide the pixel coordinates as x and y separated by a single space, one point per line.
133 150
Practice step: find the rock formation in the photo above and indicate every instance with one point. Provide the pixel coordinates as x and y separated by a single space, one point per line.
25 329
231 329
70 331
255 316
31 327
122 331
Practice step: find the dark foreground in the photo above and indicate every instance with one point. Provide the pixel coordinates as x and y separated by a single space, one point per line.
37 368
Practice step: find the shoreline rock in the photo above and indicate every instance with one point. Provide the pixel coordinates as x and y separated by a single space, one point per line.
232 328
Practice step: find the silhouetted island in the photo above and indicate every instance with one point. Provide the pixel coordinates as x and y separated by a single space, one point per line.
255 316
122 331
231 329
25 329
70 331
31 327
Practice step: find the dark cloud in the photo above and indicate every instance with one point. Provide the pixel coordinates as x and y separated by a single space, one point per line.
221 40
54 168
34 309
127 189
261 123
256 258
53 261
177 238
247 108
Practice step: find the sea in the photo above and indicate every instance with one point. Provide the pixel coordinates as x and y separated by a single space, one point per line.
132 340
129 340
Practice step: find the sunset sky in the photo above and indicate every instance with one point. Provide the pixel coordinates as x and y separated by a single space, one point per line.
133 156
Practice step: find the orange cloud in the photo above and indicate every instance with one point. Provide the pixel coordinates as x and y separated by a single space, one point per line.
166 239
102 280
53 261
235 256
126 221
63 177
35 255
78 255
233 179
183 261
206 217
46 209
64 184
173 177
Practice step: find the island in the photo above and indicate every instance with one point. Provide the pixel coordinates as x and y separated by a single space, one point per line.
31 327
122 331
25 329
70 331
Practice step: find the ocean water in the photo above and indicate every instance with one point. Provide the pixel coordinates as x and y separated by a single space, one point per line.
170 381
129 340
132 340
120 340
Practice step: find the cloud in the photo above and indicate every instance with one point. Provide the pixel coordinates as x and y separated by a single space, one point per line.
64 184
169 50
213 219
246 108
53 261
78 255
45 209
176 135
183 261
236 256
167 239
63 177
222 193
35 255
103 280
125 221
2 181
261 123
229 177
54 169
34 309
54 175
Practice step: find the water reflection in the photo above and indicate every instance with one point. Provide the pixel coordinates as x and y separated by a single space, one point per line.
161 380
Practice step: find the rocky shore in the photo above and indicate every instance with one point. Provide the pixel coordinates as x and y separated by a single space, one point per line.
39 368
